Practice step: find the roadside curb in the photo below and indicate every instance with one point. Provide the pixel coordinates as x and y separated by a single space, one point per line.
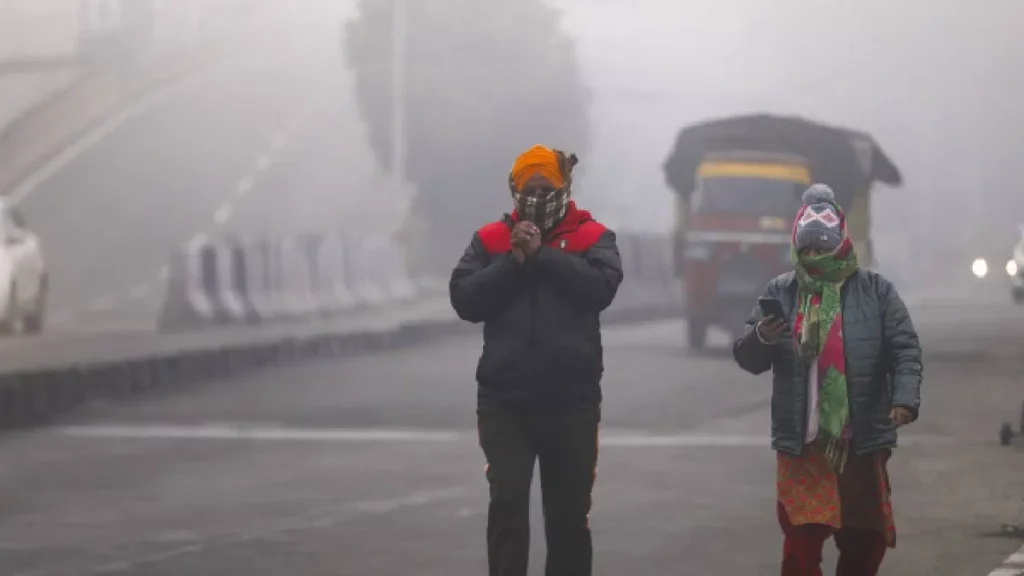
36 397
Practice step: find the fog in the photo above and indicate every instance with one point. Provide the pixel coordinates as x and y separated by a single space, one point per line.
197 204
936 82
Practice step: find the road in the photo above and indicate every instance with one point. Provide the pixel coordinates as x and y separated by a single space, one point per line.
263 141
369 466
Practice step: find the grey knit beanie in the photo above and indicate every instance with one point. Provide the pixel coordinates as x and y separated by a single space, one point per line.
819 224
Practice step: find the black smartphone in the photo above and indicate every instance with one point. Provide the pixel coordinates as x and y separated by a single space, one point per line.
772 307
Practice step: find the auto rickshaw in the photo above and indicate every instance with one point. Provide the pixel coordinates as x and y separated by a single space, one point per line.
739 183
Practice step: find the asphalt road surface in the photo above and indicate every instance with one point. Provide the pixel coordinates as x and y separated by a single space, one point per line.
264 141
368 466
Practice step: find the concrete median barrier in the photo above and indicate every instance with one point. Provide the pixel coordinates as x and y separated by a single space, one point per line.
333 293
650 279
234 305
188 300
236 292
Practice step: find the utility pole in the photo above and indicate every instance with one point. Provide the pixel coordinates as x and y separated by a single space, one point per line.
409 231
398 89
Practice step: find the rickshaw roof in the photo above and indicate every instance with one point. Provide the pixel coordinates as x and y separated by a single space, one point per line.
847 160
880 167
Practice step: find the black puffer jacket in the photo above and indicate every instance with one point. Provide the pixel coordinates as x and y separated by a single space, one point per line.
542 332
883 363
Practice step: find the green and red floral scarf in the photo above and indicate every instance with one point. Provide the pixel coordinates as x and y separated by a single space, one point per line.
819 332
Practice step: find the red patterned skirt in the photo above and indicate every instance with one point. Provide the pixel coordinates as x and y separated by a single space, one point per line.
812 493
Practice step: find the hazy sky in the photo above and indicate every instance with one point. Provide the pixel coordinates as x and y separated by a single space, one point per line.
938 82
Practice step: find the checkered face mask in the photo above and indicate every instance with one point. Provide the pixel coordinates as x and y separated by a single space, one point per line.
543 207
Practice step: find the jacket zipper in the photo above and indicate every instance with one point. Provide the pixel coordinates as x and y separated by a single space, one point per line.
534 296
532 287
531 342
843 291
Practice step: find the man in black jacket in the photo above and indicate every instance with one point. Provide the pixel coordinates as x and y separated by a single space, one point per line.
538 279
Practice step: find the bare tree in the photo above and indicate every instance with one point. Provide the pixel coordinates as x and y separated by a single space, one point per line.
483 80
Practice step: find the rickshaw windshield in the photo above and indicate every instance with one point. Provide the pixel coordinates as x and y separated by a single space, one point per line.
748 196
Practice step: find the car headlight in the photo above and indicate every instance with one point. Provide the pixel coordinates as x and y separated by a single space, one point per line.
1011 268
979 267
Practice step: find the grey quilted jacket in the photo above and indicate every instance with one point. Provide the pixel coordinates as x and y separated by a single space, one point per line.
883 363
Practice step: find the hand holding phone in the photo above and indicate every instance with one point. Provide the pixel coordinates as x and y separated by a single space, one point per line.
773 324
772 307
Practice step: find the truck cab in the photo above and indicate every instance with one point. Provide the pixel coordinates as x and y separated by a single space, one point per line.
738 183
737 234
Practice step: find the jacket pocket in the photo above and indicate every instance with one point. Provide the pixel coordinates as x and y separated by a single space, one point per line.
502 360
871 405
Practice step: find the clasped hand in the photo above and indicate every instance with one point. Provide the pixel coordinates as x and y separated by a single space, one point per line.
525 240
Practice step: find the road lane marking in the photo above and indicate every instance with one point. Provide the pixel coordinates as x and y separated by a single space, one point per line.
295 124
103 304
197 242
242 432
92 138
348 511
1012 566
467 512
654 440
59 318
244 186
223 213
257 432
139 291
132 564
416 499
263 162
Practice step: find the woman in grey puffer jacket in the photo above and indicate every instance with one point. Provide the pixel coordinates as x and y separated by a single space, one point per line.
846 376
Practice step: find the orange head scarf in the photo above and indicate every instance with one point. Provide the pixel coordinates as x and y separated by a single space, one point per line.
552 164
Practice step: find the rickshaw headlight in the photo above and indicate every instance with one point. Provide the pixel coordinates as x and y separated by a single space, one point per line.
1011 268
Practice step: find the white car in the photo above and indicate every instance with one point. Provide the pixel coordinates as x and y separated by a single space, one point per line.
1011 271
24 279
1015 268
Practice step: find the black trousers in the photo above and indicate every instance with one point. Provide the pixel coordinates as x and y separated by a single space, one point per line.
566 447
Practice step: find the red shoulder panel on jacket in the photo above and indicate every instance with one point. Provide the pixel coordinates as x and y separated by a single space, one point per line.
583 238
496 237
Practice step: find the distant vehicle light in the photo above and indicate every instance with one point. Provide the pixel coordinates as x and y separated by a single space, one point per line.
1011 268
980 268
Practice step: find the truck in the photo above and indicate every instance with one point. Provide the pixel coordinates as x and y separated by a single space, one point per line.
738 183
